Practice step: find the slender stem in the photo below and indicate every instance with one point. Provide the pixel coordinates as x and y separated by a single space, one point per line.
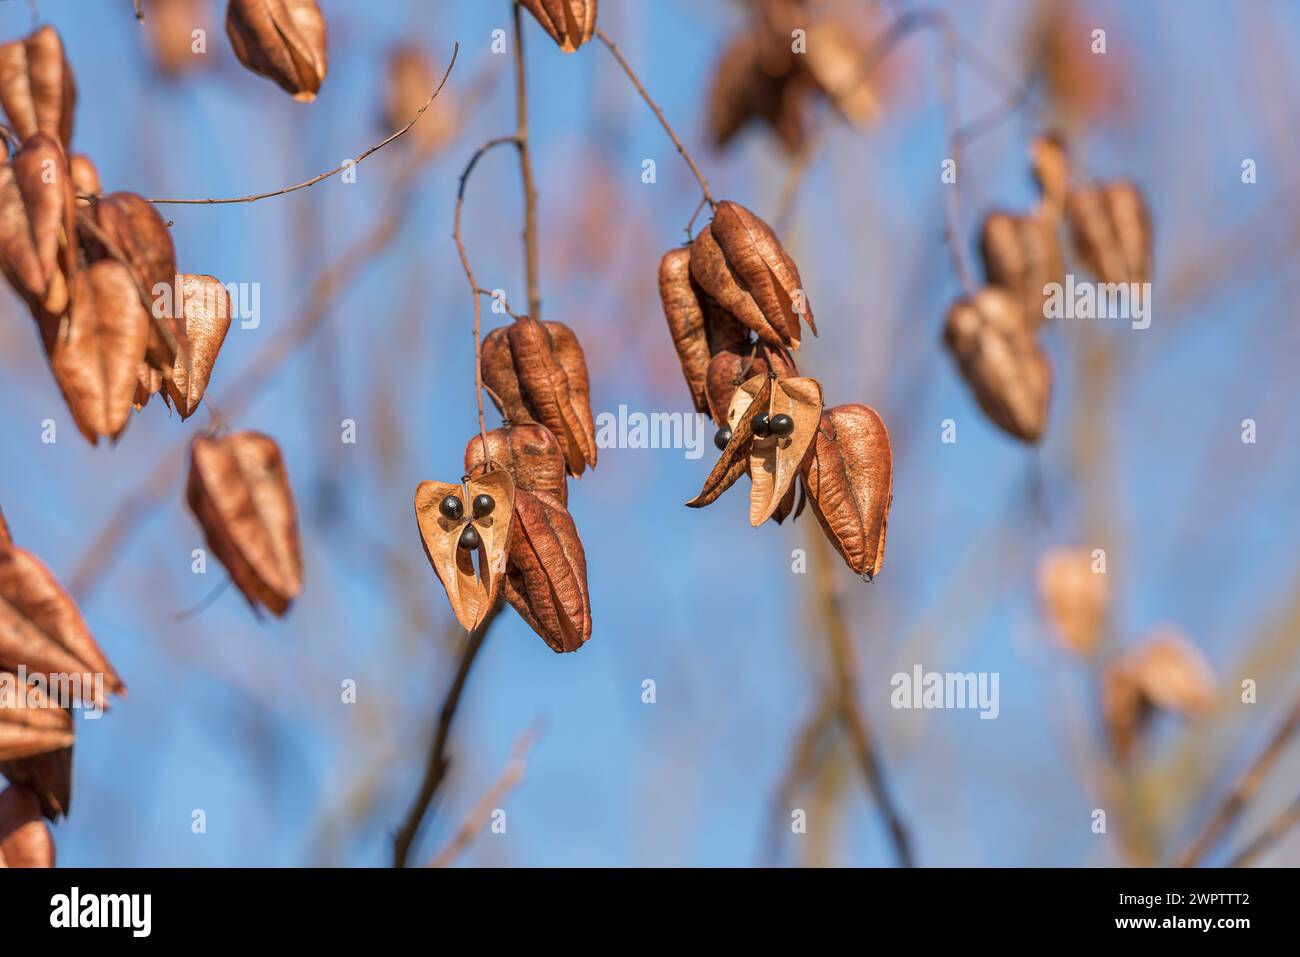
1242 791
659 114
1273 832
526 172
435 769
328 173
474 289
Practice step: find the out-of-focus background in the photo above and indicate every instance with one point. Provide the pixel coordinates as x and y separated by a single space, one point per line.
1143 455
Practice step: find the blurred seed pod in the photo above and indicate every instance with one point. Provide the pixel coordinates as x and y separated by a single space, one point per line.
38 228
738 260
546 578
849 480
1050 166
834 61
570 23
699 326
5 537
29 723
282 40
730 368
1074 598
412 77
25 839
1082 86
994 346
1164 672
171 25
37 90
239 492
1022 254
205 312
1112 231
536 372
529 452
749 85
471 591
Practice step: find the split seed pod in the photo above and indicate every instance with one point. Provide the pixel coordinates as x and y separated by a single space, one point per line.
38 228
205 312
699 326
849 479
1165 672
37 90
730 368
570 23
25 839
282 40
529 452
1022 254
738 260
1112 231
546 580
239 492
536 372
1074 597
999 358
472 592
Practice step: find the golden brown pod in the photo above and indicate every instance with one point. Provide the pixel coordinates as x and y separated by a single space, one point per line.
37 90
729 368
205 312
282 40
471 591
38 228
1074 598
1165 672
97 352
700 328
999 358
775 461
570 23
738 260
25 839
239 492
1112 231
849 480
29 723
42 630
734 460
529 452
48 776
569 356
1022 254
547 575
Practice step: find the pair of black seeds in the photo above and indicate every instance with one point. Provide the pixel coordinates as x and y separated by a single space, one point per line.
452 508
780 425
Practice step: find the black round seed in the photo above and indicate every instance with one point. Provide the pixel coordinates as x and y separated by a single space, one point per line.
782 426
452 508
721 439
483 505
762 428
469 537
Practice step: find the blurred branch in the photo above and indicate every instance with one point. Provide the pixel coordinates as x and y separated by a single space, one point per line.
489 802
435 769
1275 831
526 175
802 764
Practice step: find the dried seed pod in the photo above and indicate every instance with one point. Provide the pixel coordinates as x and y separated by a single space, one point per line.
999 358
171 24
734 461
849 480
29 723
5 537
729 368
749 83
282 40
788 504
85 177
48 776
25 839
546 578
699 326
1166 672
38 228
738 260
205 311
472 592
1051 169
529 452
536 372
775 461
570 23
411 78
1074 597
1112 231
42 630
97 353
1022 254
239 492
37 90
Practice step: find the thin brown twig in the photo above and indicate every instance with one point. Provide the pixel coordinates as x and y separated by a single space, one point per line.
355 161
477 819
1242 791
435 769
659 114
1273 832
526 172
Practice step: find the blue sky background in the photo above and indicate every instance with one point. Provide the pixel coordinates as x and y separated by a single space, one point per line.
243 719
